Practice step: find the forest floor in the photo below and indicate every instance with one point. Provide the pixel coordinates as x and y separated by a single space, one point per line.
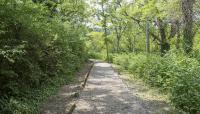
67 95
107 92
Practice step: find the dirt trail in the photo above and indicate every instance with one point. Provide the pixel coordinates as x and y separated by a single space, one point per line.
105 93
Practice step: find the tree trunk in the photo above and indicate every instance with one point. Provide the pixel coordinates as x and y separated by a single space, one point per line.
118 43
131 44
106 38
187 9
178 35
107 51
164 45
134 43
147 37
118 32
105 30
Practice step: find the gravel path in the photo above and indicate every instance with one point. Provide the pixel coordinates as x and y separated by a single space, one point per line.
105 93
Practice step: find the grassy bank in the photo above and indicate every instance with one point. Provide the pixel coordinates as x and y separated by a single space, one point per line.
175 74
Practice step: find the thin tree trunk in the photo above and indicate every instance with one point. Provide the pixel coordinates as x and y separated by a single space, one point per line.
178 35
164 45
130 44
147 37
187 9
106 39
118 43
134 47
105 30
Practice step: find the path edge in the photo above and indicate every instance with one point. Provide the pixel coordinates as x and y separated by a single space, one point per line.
73 106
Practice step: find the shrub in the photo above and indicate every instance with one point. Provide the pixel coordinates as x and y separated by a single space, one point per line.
37 45
174 73
185 92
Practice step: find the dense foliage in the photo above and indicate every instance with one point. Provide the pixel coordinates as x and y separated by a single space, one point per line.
41 46
175 73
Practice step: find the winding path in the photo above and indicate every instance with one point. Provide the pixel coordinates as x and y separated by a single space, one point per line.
105 93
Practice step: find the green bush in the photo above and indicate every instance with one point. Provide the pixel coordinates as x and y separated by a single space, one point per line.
185 92
37 45
174 73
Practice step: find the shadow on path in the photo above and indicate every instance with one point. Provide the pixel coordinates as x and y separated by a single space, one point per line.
105 93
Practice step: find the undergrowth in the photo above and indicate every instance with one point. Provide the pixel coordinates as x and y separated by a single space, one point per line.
31 100
174 73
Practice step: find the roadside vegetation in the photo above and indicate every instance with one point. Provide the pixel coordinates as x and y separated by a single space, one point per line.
41 47
174 74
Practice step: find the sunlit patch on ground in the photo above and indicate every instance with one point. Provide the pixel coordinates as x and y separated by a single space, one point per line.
107 93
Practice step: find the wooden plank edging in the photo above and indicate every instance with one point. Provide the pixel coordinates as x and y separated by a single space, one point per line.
83 86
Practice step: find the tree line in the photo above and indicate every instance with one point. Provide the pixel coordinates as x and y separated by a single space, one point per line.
165 24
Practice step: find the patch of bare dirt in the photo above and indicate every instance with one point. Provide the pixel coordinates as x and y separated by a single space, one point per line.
67 95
